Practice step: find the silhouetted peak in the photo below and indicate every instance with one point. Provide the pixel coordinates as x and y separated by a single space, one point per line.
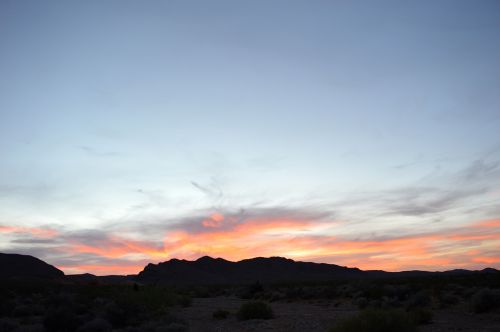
458 271
275 259
205 259
15 265
209 270
85 275
175 260
281 259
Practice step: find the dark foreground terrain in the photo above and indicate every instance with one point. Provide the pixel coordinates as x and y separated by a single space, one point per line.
351 301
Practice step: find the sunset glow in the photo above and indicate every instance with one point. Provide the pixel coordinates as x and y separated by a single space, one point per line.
353 133
34 231
474 245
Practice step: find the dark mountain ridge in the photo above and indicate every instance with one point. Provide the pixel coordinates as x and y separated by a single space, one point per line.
208 270
15 266
217 270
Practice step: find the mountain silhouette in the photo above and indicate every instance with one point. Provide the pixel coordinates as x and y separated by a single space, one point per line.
25 266
208 270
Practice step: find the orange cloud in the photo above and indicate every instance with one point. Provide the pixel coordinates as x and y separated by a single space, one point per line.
215 220
469 246
440 250
33 231
106 269
254 237
487 260
117 247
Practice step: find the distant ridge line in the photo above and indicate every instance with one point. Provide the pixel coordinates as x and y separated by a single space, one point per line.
208 270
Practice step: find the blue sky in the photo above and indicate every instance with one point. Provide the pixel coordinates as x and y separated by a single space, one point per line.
116 116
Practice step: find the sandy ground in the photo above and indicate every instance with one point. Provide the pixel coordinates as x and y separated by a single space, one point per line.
315 316
463 320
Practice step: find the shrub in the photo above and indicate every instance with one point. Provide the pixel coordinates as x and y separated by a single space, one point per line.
8 324
166 323
220 314
377 321
59 300
255 310
372 291
401 292
174 327
293 293
123 314
330 292
421 316
418 300
449 300
61 320
345 290
22 310
6 306
96 325
275 296
361 302
256 287
485 300
252 291
184 300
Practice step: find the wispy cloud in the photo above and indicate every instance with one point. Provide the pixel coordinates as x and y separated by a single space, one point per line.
37 232
481 169
419 201
302 236
369 230
97 152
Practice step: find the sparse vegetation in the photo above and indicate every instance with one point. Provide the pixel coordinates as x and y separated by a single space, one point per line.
395 320
485 300
418 300
255 310
184 300
96 325
421 316
448 300
61 320
400 304
220 314
361 302
87 307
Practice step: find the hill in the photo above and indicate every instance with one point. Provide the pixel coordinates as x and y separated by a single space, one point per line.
208 270
24 266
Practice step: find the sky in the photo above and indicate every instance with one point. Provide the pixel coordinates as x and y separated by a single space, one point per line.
357 133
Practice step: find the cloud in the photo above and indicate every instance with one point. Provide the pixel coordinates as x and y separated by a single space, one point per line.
37 232
418 201
97 153
369 230
433 250
213 191
302 236
173 239
29 191
33 241
227 219
481 169
471 192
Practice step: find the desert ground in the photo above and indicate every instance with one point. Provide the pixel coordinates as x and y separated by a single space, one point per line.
468 303
316 316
